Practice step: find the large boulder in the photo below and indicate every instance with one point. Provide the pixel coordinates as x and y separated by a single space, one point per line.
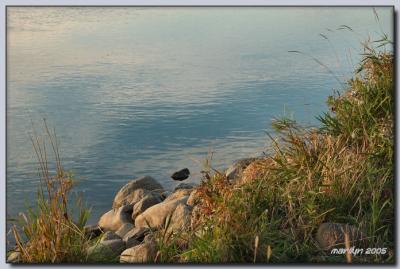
235 170
148 201
178 194
331 235
115 218
156 215
143 253
127 193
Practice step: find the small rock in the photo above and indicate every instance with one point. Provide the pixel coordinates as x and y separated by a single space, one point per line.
124 195
143 253
237 168
181 174
333 235
121 232
146 202
115 218
14 257
109 236
178 194
109 248
156 215
92 231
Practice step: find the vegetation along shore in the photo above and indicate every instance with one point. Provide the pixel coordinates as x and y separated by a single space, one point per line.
320 191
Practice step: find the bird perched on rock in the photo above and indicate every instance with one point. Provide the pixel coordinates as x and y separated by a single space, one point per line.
181 174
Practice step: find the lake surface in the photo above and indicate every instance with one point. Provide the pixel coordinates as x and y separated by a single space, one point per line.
148 91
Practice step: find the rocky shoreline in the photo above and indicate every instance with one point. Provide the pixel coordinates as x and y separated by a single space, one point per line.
141 207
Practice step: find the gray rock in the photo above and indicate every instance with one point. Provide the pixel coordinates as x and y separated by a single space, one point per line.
115 218
14 257
156 215
184 186
331 235
127 192
124 229
109 236
143 253
137 233
92 231
237 168
131 242
146 202
109 248
178 194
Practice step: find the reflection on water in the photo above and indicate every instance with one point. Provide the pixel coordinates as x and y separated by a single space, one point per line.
148 91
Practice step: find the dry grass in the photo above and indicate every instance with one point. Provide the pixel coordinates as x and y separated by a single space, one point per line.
50 234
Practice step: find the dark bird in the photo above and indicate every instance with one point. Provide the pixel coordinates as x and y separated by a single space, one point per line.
181 174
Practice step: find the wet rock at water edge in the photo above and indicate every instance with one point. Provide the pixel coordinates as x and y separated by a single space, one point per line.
181 174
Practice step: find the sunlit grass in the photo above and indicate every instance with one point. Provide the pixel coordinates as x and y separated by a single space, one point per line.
341 172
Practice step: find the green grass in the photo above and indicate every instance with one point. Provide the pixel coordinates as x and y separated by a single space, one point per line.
340 172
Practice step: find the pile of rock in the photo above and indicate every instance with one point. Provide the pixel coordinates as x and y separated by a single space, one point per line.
141 207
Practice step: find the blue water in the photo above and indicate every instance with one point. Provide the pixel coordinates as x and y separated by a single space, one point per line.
148 91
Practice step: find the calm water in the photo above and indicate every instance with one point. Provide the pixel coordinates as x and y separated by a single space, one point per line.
148 91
